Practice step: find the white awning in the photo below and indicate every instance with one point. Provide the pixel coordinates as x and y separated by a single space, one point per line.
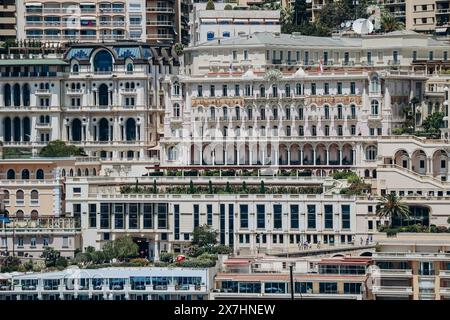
272 20
441 30
208 20
240 20
225 19
256 20
34 4
87 4
88 18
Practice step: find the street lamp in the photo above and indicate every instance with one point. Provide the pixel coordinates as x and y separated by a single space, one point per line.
355 4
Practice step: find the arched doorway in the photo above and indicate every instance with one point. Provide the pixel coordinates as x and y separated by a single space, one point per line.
103 61
103 98
130 129
76 130
103 130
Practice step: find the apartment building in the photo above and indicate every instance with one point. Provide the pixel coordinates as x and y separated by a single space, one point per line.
146 283
411 266
92 21
7 20
328 278
32 196
219 23
428 16
167 22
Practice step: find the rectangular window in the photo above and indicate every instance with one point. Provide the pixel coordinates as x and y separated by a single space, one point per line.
133 216
147 216
306 58
118 216
345 216
352 88
277 216
222 223
176 218
92 215
212 91
294 216
243 215
33 242
260 216
104 215
328 287
237 90
311 209
231 224
65 243
313 88
196 215
326 88
245 55
339 88
200 91
352 288
303 287
209 214
225 90
328 208
162 216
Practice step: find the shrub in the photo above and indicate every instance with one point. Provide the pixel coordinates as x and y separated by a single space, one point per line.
228 7
221 249
398 131
166 257
61 263
140 262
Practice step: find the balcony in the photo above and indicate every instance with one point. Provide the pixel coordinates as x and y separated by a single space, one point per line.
395 273
392 290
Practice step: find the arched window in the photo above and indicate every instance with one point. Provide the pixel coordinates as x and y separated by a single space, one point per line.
262 91
103 94
76 130
172 153
371 153
213 113
130 67
287 90
75 68
374 107
19 197
17 129
225 113
71 172
6 196
339 108
326 110
275 90
7 94
374 173
86 172
26 94
94 172
103 61
16 95
176 89
176 110
7 129
25 174
366 173
34 215
79 172
238 113
34 196
130 154
20 215
63 172
11 174
374 84
103 131
131 129
40 174
26 129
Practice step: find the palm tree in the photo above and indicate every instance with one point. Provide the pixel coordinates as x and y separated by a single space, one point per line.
392 206
389 23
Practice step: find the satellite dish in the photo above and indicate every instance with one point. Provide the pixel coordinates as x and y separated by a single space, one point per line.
362 26
342 25
348 24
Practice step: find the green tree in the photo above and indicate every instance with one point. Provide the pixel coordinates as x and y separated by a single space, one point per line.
391 206
191 187
121 249
262 188
204 236
389 23
244 187
228 7
50 256
210 5
228 187
287 15
58 148
300 12
210 187
433 123
179 49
